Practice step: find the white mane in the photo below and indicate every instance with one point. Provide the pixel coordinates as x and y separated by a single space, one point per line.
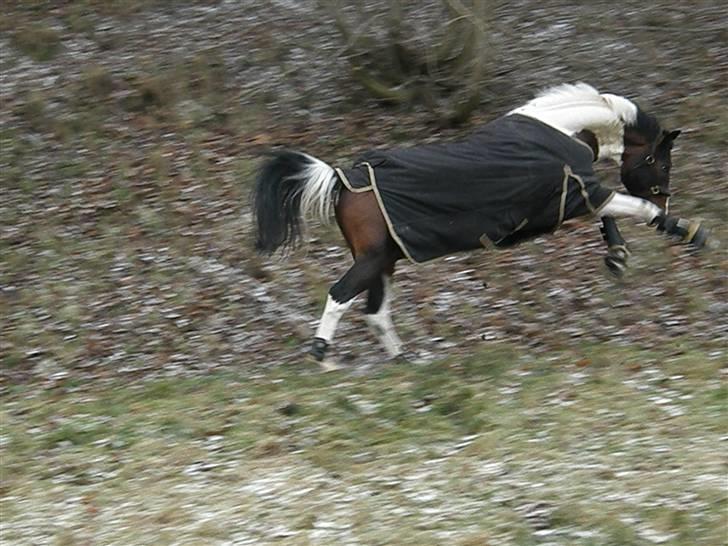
571 108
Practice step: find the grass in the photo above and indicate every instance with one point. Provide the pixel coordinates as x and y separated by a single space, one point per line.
501 447
38 41
96 82
33 111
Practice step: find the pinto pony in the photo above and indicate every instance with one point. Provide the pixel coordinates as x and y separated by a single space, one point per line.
517 177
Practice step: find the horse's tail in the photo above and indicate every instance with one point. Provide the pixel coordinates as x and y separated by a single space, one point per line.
291 188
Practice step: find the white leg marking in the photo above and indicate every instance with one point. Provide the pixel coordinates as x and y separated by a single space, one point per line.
626 205
330 319
382 325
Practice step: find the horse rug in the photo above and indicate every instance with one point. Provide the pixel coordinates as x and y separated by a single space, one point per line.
513 179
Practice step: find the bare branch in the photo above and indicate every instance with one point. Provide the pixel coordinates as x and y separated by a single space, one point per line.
395 66
381 89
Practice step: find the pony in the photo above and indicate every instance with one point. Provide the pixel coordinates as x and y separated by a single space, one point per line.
517 177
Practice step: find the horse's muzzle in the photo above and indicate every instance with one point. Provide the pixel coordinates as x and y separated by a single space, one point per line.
662 200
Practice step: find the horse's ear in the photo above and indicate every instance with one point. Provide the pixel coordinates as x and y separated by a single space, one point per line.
672 135
668 138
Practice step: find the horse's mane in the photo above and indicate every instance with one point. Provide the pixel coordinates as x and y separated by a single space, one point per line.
571 108
557 95
583 95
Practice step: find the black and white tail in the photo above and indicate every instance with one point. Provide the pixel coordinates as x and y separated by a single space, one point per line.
292 187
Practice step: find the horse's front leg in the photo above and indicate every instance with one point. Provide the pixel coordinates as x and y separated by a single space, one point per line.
617 251
688 231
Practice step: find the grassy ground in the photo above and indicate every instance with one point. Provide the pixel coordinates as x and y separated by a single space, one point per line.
497 448
151 373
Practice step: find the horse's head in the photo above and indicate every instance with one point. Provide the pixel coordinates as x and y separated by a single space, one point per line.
646 160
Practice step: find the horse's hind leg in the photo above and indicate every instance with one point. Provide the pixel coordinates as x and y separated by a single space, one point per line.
378 315
366 271
375 254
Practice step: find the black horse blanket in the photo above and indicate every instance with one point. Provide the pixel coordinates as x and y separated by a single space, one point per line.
513 179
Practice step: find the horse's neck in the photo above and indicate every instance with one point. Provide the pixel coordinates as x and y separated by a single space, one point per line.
596 117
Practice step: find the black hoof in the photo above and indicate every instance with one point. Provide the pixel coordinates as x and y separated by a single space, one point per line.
691 232
318 349
615 266
616 261
700 238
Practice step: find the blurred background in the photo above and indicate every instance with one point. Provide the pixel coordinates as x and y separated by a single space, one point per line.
151 365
